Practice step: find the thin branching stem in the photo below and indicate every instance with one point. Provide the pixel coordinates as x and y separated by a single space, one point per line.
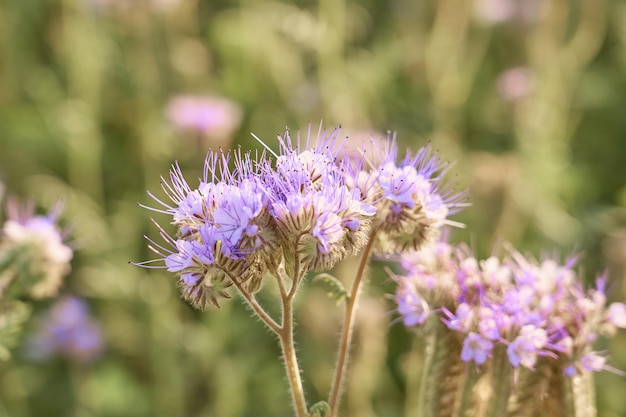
280 280
297 275
348 327
284 331
258 309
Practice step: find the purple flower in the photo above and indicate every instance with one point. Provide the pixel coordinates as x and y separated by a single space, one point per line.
250 216
328 230
616 315
401 184
411 200
525 348
534 308
67 330
214 223
413 309
315 212
462 319
239 208
212 116
593 362
488 323
476 348
514 84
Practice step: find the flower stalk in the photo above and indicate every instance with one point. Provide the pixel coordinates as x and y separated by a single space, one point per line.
501 374
291 361
348 327
578 395
442 374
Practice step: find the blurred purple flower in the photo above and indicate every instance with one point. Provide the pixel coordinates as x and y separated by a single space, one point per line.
41 242
214 117
67 330
476 348
515 83
534 308
616 315
413 309
493 12
527 346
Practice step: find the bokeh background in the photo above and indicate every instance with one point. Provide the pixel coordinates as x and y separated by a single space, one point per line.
99 97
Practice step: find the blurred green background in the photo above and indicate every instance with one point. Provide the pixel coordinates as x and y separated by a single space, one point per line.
527 96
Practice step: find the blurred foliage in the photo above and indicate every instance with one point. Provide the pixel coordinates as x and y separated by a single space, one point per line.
84 85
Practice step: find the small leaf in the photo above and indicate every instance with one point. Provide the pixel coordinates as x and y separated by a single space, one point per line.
12 317
320 409
334 287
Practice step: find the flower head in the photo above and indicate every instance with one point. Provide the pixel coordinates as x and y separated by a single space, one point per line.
316 214
67 330
411 199
249 216
534 308
41 253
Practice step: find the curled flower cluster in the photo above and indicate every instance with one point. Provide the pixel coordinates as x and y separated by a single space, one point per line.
533 308
252 216
411 199
304 208
35 255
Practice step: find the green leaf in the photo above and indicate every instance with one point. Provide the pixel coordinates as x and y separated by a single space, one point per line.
13 314
333 286
320 409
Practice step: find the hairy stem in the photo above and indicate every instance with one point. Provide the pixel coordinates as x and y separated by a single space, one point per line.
348 327
284 331
501 381
530 394
442 374
291 361
256 307
578 394
465 399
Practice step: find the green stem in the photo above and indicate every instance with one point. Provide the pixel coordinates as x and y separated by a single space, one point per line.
291 361
501 382
530 394
579 395
256 307
348 327
466 399
284 331
443 371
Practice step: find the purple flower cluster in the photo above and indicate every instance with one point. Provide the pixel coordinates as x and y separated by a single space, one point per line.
67 330
250 216
533 308
41 256
411 199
